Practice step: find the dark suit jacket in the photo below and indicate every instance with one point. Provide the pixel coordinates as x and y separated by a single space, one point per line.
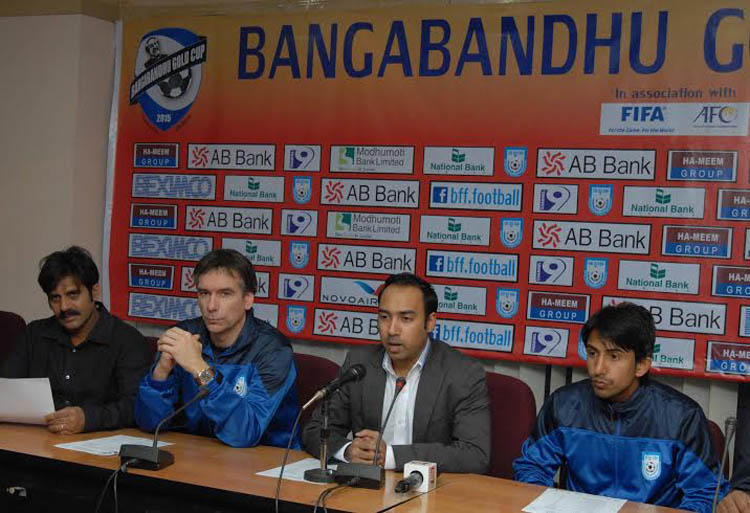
451 417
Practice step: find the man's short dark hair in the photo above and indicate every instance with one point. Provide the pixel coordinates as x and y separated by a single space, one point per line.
412 280
74 261
229 260
627 325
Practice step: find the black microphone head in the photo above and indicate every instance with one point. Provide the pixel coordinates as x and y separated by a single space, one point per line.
400 383
357 371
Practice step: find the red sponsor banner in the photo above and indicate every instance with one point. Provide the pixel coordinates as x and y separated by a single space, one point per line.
532 161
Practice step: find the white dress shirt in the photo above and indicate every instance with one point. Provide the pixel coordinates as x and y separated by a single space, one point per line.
399 429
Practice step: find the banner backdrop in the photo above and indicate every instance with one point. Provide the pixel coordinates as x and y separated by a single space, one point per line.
533 161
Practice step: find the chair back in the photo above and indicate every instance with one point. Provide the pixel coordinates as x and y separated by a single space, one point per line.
11 326
312 373
512 415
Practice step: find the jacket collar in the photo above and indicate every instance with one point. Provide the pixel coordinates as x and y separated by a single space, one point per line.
631 405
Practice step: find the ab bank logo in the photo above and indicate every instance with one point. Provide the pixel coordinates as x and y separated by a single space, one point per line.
330 258
549 235
168 72
197 219
327 323
553 163
334 192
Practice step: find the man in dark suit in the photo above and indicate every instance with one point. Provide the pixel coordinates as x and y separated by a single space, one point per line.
442 412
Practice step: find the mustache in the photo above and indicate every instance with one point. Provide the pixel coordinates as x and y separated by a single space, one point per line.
68 313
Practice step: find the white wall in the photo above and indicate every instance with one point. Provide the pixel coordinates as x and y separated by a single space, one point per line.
55 94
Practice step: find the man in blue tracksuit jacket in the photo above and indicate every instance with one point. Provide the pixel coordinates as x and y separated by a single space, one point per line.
619 433
245 364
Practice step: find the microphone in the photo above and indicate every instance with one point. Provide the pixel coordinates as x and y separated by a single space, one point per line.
730 424
420 476
413 481
153 458
369 475
353 373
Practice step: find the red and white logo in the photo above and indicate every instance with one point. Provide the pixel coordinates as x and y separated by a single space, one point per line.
327 322
198 156
549 235
330 257
554 163
334 192
197 219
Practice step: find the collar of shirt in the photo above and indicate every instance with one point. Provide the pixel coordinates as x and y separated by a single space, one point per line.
418 366
100 333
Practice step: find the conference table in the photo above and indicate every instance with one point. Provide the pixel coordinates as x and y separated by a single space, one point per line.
208 476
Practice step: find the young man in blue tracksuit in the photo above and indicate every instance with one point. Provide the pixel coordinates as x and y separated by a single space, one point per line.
619 433
245 364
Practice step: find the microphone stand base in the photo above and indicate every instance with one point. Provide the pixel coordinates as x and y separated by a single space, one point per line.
146 457
370 476
320 475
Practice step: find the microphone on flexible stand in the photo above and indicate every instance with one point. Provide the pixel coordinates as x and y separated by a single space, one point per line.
370 475
730 425
353 373
153 458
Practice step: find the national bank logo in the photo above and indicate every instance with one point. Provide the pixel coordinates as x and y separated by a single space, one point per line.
168 71
648 276
702 165
372 159
258 251
461 299
254 188
674 353
678 202
440 160
473 231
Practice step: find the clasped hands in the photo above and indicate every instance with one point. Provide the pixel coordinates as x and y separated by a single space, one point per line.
180 347
362 448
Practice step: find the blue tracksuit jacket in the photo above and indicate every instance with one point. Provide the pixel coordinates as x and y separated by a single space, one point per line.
254 402
653 448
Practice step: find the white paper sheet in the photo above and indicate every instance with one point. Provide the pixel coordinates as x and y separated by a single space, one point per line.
109 445
563 501
25 400
295 471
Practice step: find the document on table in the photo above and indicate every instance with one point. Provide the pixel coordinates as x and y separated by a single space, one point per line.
107 446
563 501
25 400
295 471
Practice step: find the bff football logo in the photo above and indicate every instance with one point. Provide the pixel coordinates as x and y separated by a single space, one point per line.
168 71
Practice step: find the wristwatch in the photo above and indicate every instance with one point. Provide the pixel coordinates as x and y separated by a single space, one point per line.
205 376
